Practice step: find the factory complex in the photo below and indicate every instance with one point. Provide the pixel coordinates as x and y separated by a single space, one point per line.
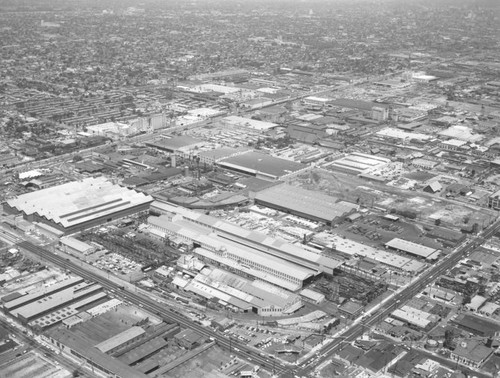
79 205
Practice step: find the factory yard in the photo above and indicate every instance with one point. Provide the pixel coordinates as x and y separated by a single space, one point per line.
426 207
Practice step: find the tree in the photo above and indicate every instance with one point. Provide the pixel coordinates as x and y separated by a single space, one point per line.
437 222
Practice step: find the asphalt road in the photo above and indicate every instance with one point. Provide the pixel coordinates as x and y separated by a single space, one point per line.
358 328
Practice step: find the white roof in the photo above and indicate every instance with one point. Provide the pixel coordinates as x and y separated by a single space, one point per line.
455 142
410 247
354 248
30 174
314 295
120 339
77 202
400 134
250 123
413 316
203 112
318 99
75 244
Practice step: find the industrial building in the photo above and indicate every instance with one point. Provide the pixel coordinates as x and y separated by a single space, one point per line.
78 346
55 303
211 157
263 166
118 341
239 293
72 245
247 123
414 249
16 300
233 256
79 205
354 249
177 145
305 203
357 163
259 241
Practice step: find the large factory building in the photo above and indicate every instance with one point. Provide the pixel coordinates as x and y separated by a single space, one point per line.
79 205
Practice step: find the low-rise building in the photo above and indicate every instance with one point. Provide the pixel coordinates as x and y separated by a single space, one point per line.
471 353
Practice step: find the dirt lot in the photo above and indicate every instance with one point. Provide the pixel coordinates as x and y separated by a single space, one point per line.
367 193
375 231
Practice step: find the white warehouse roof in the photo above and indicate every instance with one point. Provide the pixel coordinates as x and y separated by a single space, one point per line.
77 202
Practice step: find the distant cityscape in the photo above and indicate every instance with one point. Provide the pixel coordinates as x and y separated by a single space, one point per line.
254 189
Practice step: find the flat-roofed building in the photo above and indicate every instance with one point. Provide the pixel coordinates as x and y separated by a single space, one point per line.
477 325
413 316
177 145
19 301
229 232
494 201
413 249
453 144
305 203
471 353
247 123
78 346
245 295
263 166
358 163
71 245
63 313
79 205
120 340
55 301
351 248
210 157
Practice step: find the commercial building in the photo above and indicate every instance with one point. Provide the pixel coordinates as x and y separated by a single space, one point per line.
494 201
380 113
79 205
263 166
305 203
